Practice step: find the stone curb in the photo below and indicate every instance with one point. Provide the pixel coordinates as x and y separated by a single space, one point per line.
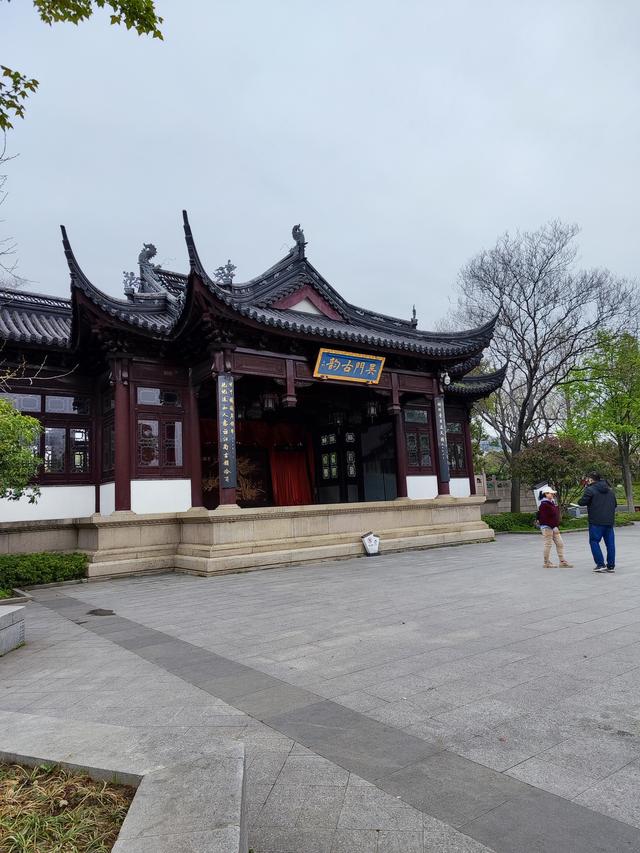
22 597
187 799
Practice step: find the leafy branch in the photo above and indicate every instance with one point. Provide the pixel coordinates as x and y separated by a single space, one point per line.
15 87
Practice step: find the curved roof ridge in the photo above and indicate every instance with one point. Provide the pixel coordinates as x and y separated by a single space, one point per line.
260 290
43 300
156 316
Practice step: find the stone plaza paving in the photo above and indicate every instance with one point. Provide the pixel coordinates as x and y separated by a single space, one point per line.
446 701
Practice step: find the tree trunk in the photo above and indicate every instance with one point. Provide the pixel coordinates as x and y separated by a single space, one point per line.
515 494
627 477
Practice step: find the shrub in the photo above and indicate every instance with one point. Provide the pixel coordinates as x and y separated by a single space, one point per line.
510 521
18 570
523 522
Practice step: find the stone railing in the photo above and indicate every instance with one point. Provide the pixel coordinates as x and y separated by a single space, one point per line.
498 495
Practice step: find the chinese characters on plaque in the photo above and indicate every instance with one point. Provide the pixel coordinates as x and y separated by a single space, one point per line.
348 366
441 438
226 432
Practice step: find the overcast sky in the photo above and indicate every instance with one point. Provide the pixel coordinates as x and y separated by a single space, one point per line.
404 137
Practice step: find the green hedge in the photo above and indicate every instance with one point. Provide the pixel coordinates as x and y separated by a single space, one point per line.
18 570
523 522
506 521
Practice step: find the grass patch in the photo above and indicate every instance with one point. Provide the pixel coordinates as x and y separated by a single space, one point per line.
20 570
6 593
523 522
48 809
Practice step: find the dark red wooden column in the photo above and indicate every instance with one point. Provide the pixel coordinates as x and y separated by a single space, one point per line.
289 399
194 446
122 424
468 450
395 409
440 424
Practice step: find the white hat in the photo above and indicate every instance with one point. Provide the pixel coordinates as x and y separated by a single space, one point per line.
548 491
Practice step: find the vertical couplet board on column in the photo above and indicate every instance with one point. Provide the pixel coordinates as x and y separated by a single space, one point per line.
441 438
227 469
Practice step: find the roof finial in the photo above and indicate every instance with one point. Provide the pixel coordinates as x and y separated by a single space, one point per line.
194 261
225 273
414 319
131 283
298 235
148 251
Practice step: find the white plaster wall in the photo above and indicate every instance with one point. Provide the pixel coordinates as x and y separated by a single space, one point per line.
107 498
54 502
160 495
422 487
459 487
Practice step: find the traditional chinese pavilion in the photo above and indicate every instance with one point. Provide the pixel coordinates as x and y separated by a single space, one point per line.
195 390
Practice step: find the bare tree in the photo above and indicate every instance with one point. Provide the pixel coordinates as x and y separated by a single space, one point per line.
550 313
8 262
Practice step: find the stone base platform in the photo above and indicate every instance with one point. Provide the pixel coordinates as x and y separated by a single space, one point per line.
230 539
11 628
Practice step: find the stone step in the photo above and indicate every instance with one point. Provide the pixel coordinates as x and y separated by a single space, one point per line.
318 540
251 560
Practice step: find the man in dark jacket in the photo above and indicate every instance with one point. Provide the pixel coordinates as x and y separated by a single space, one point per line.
601 505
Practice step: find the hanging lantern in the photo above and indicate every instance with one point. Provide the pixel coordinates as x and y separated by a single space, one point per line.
269 401
373 407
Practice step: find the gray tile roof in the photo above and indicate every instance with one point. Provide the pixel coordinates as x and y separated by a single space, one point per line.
156 301
477 386
253 299
34 319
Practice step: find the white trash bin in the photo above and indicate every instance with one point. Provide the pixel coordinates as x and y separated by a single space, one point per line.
371 544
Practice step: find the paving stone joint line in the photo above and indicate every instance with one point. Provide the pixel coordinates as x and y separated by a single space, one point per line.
434 780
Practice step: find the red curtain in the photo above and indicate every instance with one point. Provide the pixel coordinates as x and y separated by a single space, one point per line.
290 478
292 469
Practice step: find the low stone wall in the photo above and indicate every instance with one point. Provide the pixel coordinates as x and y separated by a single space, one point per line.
11 628
230 539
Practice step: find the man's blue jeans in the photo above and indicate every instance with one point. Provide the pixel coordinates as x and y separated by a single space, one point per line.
598 532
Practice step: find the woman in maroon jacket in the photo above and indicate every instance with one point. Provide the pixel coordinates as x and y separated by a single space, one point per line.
549 519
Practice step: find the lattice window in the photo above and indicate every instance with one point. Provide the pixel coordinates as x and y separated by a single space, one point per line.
456 447
24 402
54 449
108 447
418 441
172 447
158 397
79 450
329 466
148 443
56 404
457 460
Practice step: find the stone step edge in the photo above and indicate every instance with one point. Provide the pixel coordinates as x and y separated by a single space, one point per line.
273 559
304 542
295 543
247 562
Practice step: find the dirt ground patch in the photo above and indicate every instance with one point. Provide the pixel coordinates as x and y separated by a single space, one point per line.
47 809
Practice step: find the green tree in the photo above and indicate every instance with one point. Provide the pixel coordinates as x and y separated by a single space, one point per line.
604 400
18 462
562 461
15 86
